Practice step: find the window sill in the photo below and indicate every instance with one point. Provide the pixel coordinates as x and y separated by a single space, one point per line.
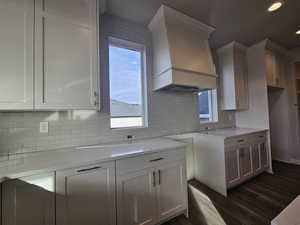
212 122
128 128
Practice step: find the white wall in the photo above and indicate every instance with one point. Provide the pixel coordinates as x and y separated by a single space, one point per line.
294 139
257 116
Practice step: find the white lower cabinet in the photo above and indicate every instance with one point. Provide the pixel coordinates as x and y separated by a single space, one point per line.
152 188
171 189
86 195
243 161
256 165
136 198
232 166
264 158
29 201
222 162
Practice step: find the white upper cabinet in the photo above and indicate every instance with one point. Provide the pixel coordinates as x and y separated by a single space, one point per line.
66 54
16 55
274 69
49 54
232 60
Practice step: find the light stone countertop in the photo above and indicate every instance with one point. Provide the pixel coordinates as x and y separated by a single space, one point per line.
49 161
232 132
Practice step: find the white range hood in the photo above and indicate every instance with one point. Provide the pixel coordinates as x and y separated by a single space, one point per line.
182 57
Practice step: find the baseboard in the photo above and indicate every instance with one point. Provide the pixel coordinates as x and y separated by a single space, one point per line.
290 161
295 161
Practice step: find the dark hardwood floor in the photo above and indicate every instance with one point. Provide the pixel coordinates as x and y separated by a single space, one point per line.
256 202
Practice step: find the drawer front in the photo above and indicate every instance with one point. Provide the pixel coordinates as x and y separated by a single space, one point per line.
147 161
246 139
235 141
258 137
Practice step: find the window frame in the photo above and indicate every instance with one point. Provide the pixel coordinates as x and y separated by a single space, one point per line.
212 107
133 46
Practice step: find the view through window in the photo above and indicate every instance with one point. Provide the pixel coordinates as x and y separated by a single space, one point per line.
126 85
207 106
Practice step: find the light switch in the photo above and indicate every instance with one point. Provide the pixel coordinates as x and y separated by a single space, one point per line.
44 127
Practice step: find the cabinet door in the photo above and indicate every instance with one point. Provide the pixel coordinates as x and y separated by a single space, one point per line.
86 195
232 166
264 159
270 68
280 71
66 54
255 158
245 161
16 55
29 201
171 189
241 79
136 198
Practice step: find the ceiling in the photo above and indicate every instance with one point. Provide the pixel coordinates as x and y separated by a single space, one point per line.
245 21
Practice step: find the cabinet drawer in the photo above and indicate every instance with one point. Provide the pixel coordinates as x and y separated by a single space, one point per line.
234 141
147 161
259 136
245 139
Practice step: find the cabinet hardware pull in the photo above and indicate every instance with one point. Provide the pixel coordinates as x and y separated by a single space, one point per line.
154 179
96 102
261 136
241 140
88 169
155 160
159 177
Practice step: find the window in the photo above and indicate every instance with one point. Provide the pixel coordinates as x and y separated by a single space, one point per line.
208 110
127 84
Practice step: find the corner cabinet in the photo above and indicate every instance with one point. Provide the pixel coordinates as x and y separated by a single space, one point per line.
151 188
29 200
86 195
233 67
49 54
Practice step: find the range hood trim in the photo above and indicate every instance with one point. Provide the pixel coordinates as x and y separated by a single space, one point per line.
182 55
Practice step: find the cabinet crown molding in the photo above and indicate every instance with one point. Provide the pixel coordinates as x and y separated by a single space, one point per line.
233 44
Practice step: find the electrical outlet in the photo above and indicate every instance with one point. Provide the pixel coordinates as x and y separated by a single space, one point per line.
44 127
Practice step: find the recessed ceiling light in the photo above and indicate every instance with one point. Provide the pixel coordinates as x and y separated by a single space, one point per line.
298 32
275 5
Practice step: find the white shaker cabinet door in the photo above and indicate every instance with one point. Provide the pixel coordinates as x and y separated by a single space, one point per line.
16 54
86 195
66 54
245 161
136 198
256 165
171 189
264 158
232 165
29 201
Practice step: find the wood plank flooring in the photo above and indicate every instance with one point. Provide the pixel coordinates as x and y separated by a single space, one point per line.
256 202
